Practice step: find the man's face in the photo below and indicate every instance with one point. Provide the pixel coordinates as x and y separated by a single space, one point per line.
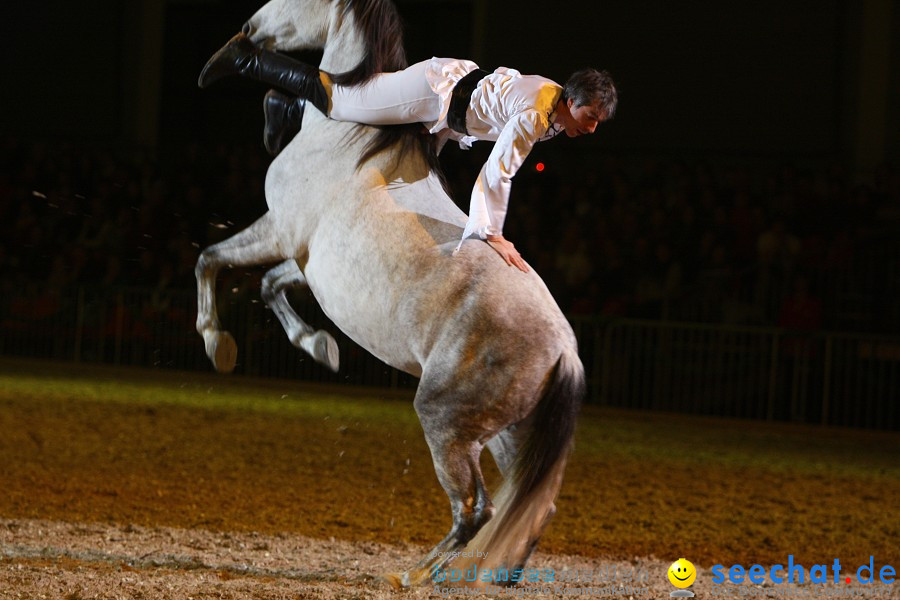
583 119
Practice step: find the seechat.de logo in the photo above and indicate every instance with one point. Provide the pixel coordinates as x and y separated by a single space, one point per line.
797 573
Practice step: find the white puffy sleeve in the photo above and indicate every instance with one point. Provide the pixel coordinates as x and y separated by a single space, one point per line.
490 196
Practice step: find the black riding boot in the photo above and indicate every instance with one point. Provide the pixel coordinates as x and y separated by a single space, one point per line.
240 56
284 117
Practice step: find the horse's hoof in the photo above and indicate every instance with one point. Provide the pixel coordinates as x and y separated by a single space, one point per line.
222 351
398 581
322 347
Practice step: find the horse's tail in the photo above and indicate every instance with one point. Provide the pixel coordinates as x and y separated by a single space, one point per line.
525 502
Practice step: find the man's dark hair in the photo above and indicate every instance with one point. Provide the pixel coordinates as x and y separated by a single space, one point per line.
593 87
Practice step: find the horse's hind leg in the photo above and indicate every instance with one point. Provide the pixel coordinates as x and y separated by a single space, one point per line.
503 447
318 344
455 451
254 245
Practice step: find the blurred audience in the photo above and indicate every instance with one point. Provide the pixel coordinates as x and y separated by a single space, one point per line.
771 246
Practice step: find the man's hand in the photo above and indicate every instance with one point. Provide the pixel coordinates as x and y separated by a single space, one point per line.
509 253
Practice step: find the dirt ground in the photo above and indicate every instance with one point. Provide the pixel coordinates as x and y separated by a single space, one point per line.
81 561
111 499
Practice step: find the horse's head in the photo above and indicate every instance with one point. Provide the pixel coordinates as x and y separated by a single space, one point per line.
310 25
291 24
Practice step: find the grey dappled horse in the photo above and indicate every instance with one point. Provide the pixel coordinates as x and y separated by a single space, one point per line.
373 239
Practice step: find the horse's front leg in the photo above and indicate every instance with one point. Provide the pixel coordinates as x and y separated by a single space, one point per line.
255 245
318 344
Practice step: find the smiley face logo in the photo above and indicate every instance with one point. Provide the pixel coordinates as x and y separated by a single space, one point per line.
682 573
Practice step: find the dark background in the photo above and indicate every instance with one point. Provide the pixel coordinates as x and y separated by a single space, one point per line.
747 193
769 78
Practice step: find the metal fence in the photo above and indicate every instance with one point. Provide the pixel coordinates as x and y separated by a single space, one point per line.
751 372
762 373
140 327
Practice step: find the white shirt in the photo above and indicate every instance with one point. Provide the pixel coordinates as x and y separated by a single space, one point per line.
513 110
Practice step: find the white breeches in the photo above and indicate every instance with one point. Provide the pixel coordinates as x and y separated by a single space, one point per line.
388 99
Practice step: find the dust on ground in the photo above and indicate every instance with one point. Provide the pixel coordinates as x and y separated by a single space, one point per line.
86 561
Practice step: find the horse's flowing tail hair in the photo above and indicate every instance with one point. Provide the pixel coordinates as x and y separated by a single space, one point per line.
524 503
382 29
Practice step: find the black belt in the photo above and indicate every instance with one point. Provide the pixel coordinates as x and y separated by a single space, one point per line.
460 98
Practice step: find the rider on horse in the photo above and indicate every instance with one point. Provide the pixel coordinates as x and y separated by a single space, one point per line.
453 98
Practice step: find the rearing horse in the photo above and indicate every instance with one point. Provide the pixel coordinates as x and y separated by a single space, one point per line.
373 236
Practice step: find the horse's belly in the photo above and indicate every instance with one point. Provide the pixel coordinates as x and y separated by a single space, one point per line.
350 299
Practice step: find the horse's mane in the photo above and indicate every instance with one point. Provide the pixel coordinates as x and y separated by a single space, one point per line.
382 30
